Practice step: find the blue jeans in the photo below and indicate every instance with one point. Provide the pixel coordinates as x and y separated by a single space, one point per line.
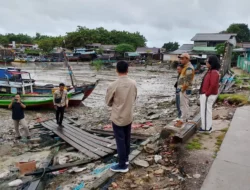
177 98
122 137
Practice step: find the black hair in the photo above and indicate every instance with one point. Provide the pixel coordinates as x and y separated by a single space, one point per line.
214 62
61 84
122 67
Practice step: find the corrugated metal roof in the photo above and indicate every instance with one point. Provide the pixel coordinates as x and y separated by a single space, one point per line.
212 37
185 48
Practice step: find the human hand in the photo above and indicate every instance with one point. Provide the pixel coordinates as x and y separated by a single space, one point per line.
55 107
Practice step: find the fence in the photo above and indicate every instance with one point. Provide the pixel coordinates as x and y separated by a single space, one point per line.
243 63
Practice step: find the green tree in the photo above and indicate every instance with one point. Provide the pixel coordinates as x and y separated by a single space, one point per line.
122 48
4 41
220 48
46 45
242 31
171 46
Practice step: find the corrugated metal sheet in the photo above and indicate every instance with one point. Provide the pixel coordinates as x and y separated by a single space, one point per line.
147 50
212 37
185 48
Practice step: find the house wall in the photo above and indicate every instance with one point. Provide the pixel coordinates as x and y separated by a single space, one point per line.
170 57
207 43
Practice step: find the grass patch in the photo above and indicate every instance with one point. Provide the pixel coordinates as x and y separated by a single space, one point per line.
224 130
233 98
97 64
238 81
194 144
220 139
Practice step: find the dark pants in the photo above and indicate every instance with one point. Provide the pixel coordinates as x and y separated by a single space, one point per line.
122 137
177 98
59 114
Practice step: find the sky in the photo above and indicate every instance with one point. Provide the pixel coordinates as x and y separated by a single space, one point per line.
160 21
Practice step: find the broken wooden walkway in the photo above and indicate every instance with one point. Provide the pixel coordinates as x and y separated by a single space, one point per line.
92 146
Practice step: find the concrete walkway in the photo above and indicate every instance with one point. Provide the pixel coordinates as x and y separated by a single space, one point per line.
231 168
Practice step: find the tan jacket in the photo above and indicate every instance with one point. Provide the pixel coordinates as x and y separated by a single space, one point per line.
63 95
121 96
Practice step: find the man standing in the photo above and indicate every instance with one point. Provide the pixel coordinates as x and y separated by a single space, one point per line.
185 85
18 116
121 96
60 102
177 92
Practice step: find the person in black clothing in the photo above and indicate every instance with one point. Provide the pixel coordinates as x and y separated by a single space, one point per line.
177 91
18 116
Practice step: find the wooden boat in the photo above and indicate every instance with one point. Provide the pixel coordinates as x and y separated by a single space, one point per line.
20 60
12 82
31 101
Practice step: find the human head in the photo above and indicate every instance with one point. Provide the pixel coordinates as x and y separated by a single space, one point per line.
17 96
122 68
179 68
61 86
184 58
213 63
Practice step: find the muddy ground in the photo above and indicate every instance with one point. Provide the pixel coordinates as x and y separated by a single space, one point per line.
155 104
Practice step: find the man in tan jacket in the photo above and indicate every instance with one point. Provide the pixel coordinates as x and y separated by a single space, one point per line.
121 96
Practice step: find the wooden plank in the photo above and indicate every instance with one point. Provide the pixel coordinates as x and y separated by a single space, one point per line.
72 143
92 136
73 121
69 131
96 141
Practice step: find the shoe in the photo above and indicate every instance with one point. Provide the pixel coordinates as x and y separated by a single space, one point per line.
205 131
117 168
18 138
127 163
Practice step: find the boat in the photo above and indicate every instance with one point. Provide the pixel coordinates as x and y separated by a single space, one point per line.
6 56
20 60
30 59
12 82
85 54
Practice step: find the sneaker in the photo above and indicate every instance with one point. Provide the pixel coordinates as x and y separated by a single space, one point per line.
127 163
205 131
117 168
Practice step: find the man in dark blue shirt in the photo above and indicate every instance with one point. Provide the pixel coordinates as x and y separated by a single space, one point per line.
18 116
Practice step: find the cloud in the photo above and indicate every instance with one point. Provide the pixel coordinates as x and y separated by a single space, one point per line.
159 21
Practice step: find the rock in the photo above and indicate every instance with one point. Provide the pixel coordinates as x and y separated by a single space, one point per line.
155 116
171 179
141 163
157 158
4 174
132 186
159 172
215 117
165 134
151 148
150 160
15 183
145 126
197 176
114 185
90 166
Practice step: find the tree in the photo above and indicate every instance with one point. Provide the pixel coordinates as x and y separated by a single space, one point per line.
46 45
220 48
171 46
4 41
242 31
122 48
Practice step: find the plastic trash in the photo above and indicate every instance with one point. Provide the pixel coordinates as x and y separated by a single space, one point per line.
15 183
79 187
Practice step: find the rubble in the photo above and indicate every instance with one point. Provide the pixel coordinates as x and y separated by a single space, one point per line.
141 163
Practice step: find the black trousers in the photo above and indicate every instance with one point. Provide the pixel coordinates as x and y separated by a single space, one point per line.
59 115
122 137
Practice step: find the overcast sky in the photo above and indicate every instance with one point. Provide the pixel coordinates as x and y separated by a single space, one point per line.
158 20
